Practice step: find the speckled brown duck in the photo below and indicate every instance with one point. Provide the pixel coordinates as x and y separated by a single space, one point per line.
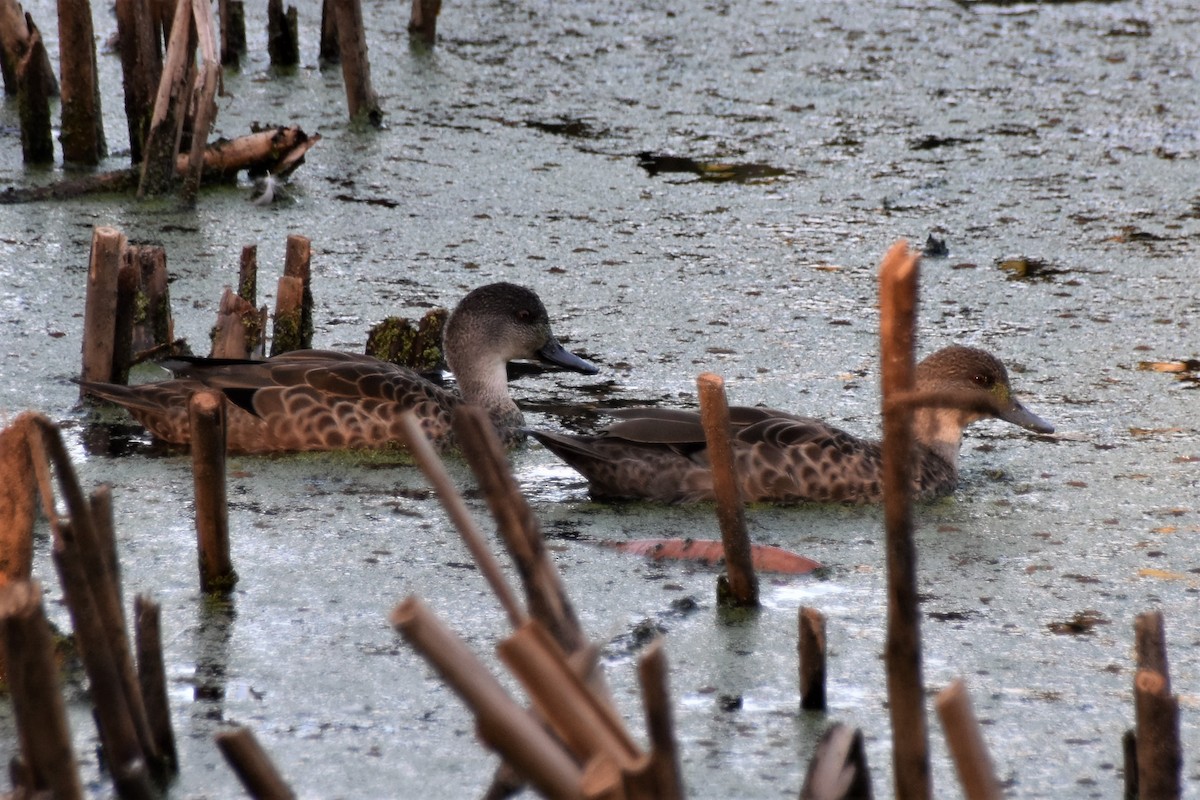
660 454
325 400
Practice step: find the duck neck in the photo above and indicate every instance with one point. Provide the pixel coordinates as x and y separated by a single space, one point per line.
940 431
486 385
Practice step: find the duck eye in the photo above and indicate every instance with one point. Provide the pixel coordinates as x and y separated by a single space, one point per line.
986 381
524 315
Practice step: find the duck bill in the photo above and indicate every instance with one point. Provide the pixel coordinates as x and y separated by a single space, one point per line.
554 353
1021 416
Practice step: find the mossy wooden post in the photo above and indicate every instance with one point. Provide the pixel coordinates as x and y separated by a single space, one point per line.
232 14
293 299
36 695
100 304
152 323
811 649
422 22
152 678
33 101
253 766
283 38
206 418
906 692
141 69
739 585
361 99
82 134
159 174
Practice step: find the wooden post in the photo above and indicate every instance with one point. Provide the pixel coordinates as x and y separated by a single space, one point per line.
15 42
966 744
166 124
206 93
740 585
33 100
153 327
141 69
293 299
233 32
100 305
906 694
17 506
152 680
502 724
838 768
206 419
356 69
283 38
812 659
330 52
1159 754
82 122
660 728
253 766
545 596
422 22
36 697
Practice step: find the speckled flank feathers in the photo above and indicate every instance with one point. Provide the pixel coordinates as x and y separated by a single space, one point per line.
324 400
660 454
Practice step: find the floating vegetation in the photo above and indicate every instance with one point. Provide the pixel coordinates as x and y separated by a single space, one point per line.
1185 369
1023 268
567 126
715 171
1081 623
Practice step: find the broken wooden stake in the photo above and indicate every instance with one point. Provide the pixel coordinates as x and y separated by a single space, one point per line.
906 694
361 99
253 766
100 304
82 133
33 685
838 769
965 742
812 659
152 680
739 585
293 299
206 420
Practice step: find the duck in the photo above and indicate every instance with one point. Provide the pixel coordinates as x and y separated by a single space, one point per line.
660 454
308 400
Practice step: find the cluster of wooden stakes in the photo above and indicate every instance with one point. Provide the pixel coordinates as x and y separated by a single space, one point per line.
570 742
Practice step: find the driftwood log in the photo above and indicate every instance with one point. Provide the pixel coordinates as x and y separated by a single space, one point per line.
277 151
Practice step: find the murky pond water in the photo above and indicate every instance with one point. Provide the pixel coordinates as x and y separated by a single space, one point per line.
1065 134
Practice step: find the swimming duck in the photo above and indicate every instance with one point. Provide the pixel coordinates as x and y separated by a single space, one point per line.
660 454
325 400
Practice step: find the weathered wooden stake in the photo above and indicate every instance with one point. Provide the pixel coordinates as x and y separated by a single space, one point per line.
253 766
152 679
812 659
739 586
15 35
906 695
330 52
356 69
36 697
141 69
233 31
293 299
166 124
206 419
966 744
545 596
422 22
100 304
205 98
283 38
502 724
653 677
33 100
82 134
1159 753
153 327
838 769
